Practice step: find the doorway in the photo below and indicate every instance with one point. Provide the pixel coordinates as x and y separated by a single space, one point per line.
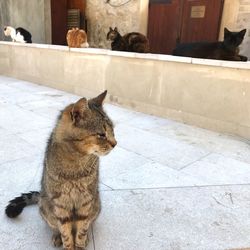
179 21
62 18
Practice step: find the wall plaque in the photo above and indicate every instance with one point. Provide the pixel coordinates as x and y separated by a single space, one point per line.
198 11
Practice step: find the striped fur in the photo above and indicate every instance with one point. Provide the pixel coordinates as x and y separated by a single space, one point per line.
16 206
69 198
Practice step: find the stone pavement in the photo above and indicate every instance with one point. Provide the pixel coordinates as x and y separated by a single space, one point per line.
166 186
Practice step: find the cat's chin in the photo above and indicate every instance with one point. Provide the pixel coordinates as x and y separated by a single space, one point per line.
102 153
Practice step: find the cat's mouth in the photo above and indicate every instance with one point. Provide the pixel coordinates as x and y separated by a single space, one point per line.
102 153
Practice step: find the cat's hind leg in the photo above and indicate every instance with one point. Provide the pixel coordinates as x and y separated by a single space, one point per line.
48 216
139 48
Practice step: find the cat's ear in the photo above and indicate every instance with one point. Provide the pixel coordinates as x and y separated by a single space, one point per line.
242 33
110 29
115 29
78 109
98 101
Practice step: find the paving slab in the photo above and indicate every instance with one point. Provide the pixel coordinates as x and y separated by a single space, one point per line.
217 169
212 218
19 120
124 169
173 153
14 148
234 147
166 186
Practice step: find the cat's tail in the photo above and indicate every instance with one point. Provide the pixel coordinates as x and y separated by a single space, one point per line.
16 206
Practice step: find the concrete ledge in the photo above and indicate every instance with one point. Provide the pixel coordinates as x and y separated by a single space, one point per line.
207 93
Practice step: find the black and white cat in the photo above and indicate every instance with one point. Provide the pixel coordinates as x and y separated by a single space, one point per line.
20 35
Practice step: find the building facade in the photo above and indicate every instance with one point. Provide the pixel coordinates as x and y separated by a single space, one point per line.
127 15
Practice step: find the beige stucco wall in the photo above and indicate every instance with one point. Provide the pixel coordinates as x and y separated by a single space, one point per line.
206 93
129 17
33 15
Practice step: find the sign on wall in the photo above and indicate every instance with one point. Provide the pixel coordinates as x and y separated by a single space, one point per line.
198 11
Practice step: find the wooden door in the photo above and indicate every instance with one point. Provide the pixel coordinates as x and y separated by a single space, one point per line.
201 20
178 21
77 4
59 21
163 23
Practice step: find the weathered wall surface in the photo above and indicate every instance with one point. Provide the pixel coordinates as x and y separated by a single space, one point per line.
236 16
126 18
31 15
207 93
243 22
4 17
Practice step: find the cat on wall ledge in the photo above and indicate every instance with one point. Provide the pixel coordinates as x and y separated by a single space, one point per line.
228 49
19 34
131 42
77 38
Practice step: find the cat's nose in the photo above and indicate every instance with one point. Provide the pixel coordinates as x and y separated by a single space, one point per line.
113 143
5 28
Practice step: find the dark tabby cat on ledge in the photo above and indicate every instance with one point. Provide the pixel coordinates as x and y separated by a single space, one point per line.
131 42
228 49
69 198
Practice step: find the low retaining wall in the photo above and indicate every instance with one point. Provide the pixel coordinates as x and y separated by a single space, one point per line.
206 93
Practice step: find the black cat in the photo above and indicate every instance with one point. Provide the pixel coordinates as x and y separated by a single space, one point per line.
132 42
228 49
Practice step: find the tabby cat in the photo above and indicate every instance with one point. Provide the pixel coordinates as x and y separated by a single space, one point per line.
69 199
228 49
77 38
132 42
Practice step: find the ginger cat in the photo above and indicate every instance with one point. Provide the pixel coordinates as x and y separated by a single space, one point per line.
77 38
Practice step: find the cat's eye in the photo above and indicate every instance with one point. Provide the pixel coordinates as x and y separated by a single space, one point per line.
101 136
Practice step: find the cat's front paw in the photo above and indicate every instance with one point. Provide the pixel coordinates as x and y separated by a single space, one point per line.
80 248
84 246
243 58
81 242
